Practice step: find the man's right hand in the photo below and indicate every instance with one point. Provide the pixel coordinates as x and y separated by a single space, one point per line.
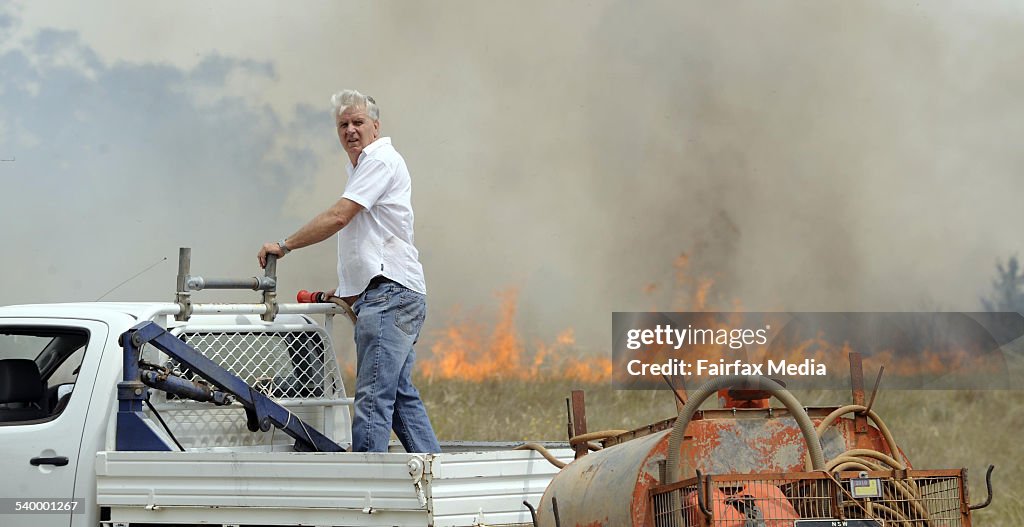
269 248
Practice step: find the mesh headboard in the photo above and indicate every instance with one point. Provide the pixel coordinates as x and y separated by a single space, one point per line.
296 366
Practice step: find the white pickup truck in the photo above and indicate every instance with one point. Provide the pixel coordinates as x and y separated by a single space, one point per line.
60 367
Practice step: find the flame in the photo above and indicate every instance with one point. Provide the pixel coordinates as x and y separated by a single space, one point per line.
700 296
475 352
466 352
691 294
933 360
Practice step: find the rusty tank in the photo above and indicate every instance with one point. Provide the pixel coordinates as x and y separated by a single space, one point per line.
612 486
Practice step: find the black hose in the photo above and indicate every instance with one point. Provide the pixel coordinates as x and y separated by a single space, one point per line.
533 513
988 483
161 419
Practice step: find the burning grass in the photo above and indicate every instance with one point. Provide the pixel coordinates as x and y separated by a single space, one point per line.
469 351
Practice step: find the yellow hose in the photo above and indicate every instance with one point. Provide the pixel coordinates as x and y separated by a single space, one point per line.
603 434
582 438
544 452
865 459
344 307
857 408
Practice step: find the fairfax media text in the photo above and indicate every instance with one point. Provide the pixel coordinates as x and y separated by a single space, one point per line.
702 367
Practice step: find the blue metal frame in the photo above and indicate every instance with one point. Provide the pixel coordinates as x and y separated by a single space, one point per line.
134 434
133 430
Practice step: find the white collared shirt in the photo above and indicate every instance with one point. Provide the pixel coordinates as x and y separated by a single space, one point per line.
379 239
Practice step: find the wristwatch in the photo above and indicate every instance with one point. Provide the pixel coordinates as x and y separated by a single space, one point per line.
284 248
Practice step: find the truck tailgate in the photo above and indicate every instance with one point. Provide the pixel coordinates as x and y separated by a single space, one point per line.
289 488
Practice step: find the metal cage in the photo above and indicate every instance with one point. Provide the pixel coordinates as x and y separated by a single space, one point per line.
907 498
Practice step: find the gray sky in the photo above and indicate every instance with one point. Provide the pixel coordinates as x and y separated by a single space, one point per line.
807 155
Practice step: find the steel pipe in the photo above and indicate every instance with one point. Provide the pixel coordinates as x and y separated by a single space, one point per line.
256 283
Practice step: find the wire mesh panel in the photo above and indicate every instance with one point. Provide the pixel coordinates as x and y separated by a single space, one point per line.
297 368
942 499
283 365
913 499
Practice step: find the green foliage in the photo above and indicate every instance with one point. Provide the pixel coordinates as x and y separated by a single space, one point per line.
1008 288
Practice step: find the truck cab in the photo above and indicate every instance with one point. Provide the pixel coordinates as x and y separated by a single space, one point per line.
60 367
57 373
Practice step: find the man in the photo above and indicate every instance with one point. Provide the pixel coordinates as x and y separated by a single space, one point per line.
379 275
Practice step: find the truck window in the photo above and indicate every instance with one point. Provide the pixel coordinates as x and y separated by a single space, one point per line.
14 346
38 369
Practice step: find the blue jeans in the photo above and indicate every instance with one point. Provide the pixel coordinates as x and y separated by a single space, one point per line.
390 317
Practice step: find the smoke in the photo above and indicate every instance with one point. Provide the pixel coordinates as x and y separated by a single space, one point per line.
805 155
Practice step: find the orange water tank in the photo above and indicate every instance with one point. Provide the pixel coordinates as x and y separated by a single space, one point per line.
610 487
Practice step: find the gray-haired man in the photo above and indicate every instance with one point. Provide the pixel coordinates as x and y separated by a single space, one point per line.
379 275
